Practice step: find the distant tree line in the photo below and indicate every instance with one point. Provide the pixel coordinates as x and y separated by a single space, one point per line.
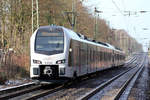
15 22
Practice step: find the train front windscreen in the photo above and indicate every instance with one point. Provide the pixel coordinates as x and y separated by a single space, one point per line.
49 41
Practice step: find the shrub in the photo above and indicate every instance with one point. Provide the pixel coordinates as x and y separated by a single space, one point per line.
3 78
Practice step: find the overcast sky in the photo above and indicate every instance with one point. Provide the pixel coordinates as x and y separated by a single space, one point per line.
137 24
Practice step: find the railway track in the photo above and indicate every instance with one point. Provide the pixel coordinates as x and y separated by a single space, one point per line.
44 93
30 90
107 92
122 89
18 90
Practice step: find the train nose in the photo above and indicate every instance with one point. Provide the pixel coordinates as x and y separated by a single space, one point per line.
49 71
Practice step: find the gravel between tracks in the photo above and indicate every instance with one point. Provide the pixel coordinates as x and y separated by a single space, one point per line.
141 89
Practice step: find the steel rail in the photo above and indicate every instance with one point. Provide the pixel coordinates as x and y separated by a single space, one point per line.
15 88
20 92
44 93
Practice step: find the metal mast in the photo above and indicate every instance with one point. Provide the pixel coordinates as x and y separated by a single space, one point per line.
95 21
35 15
73 14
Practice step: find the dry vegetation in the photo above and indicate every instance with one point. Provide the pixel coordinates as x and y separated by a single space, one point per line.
15 29
13 66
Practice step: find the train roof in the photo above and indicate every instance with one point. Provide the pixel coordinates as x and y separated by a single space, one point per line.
80 37
88 39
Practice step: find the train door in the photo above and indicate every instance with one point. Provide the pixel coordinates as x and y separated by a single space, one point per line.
79 59
73 57
83 68
98 60
108 58
86 58
89 58
102 57
76 57
95 58
113 58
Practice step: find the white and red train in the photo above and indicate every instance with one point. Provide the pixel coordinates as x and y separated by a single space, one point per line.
58 52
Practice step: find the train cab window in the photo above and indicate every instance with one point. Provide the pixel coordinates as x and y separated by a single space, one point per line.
49 41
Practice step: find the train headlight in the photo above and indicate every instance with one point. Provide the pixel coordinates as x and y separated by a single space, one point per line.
37 61
61 61
70 49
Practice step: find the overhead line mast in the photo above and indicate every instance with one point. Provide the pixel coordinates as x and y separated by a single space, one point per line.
73 13
35 12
